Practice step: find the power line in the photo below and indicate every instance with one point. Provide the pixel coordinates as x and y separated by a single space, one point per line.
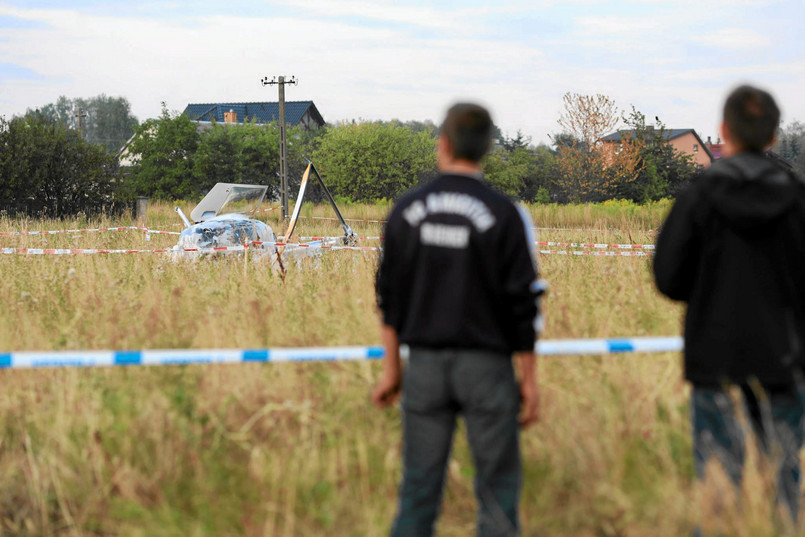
280 82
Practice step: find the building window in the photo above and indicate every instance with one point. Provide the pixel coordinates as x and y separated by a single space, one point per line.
695 148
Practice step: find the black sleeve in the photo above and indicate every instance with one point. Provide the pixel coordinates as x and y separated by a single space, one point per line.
520 284
678 248
386 277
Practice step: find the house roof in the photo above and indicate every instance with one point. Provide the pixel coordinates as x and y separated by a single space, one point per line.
260 112
667 135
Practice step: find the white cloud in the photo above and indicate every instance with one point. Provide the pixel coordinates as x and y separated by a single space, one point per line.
619 25
352 68
735 39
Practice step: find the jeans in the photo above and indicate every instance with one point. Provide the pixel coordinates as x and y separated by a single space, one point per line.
437 386
776 419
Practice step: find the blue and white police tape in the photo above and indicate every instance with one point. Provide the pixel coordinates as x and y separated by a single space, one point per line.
27 360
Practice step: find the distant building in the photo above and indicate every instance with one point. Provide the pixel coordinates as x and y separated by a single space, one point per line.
686 141
301 113
715 148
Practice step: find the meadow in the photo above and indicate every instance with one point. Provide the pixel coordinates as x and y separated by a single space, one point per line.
296 449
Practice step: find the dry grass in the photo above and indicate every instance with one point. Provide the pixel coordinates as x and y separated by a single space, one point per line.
295 449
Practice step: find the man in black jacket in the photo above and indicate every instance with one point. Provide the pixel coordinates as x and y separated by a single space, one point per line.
458 284
733 248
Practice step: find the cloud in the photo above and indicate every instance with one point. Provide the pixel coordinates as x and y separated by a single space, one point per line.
619 25
390 60
389 12
735 39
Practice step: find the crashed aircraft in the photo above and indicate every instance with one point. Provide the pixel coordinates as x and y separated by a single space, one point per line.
225 219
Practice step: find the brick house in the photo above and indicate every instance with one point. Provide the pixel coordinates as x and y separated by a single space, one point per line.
686 141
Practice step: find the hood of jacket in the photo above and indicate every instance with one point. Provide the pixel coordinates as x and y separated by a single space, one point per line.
749 190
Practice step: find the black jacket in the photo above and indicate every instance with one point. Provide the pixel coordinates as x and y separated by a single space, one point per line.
733 248
457 269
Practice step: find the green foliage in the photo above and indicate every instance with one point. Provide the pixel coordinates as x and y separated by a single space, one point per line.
47 169
542 173
505 170
521 171
165 149
369 161
105 120
663 170
175 158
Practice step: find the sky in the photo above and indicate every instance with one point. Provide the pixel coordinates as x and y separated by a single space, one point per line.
408 59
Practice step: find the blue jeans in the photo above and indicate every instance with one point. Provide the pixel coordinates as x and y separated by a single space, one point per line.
437 386
776 419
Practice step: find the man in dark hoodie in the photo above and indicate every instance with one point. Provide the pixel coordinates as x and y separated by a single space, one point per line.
458 284
733 248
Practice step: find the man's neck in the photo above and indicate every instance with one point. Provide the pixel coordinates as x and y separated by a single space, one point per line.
461 167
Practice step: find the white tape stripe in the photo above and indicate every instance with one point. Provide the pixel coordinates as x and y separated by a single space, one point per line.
595 253
26 360
598 245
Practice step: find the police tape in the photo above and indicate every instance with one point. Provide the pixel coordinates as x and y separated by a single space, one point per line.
330 238
215 250
257 245
598 245
47 359
315 246
345 219
149 231
88 230
597 253
80 251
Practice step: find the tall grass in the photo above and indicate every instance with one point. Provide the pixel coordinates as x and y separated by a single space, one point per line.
296 449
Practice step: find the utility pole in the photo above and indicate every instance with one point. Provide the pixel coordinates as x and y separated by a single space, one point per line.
280 82
81 114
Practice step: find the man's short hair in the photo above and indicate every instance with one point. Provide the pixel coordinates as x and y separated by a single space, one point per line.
752 117
468 128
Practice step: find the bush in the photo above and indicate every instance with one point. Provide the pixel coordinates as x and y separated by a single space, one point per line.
48 170
370 161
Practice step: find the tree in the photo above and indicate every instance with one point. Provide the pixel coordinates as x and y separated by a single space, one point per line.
588 118
48 170
164 150
372 161
219 157
791 145
588 171
521 171
249 154
506 170
661 170
105 120
542 171
520 141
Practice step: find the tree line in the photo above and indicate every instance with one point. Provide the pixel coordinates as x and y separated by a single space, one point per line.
52 164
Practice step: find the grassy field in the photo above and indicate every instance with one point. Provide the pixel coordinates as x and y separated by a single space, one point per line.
296 449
